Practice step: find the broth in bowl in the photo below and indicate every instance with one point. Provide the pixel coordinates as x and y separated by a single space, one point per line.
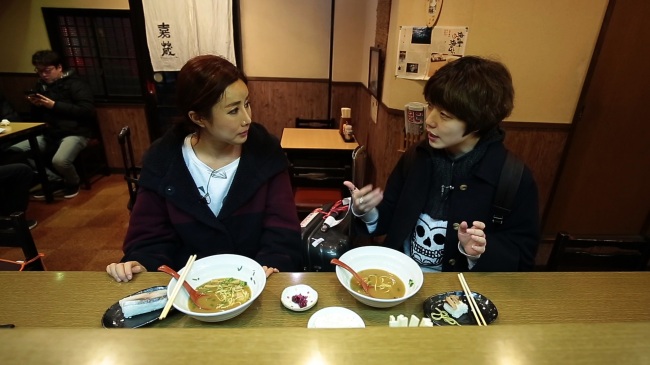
383 284
221 295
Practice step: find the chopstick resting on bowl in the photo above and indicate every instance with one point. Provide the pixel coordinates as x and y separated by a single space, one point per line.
177 287
472 302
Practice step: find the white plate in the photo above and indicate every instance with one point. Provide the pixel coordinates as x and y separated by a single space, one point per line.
335 317
305 290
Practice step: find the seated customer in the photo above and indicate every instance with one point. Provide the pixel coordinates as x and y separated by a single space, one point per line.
15 181
64 101
437 207
216 183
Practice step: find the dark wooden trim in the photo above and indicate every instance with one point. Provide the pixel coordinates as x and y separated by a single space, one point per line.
144 64
285 79
236 33
536 125
511 124
331 61
18 74
347 83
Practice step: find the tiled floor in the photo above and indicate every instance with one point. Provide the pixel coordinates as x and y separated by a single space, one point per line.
80 234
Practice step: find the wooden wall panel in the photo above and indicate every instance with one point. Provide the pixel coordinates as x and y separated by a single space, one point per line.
541 147
277 103
111 120
346 95
13 85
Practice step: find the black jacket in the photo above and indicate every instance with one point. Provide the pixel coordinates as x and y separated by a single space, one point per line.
258 218
511 246
74 109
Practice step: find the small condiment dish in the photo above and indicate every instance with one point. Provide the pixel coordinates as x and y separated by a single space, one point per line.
287 297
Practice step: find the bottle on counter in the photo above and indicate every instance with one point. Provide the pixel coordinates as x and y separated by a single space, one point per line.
348 134
345 124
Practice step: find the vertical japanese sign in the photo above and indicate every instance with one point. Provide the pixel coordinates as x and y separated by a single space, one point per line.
178 30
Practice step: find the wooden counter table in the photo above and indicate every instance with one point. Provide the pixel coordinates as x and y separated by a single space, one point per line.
79 299
610 343
314 138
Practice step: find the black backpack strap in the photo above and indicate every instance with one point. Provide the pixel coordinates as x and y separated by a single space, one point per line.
507 188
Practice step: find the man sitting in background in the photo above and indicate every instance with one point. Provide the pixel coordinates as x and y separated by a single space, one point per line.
64 101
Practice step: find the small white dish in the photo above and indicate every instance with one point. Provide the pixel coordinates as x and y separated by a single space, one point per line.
335 317
301 289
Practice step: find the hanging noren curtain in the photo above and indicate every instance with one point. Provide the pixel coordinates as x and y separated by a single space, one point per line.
178 30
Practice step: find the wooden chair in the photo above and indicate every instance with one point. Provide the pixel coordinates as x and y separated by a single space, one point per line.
599 253
19 235
315 123
131 170
327 185
91 161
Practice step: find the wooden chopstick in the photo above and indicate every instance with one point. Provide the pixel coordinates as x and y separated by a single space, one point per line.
178 286
472 302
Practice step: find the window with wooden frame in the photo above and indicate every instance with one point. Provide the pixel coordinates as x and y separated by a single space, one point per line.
98 45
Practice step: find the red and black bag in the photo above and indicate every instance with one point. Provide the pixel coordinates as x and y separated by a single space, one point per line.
325 234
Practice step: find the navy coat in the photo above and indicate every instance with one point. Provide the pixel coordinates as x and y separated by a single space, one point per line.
258 218
511 246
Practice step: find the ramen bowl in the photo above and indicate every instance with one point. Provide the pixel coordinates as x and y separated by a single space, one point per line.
382 258
218 267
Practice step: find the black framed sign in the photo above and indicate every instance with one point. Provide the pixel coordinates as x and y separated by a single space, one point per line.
375 72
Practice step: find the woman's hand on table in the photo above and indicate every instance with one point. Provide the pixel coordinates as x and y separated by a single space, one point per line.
123 271
269 270
472 239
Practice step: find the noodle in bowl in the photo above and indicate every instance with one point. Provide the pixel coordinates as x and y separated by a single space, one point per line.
218 267
381 258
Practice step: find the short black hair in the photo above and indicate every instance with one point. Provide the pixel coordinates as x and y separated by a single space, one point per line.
476 90
46 58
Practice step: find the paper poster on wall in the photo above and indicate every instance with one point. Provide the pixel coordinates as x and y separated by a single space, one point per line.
421 50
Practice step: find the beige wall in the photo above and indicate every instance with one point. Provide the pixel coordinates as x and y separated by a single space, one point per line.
23 29
354 34
280 38
290 38
546 44
285 38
